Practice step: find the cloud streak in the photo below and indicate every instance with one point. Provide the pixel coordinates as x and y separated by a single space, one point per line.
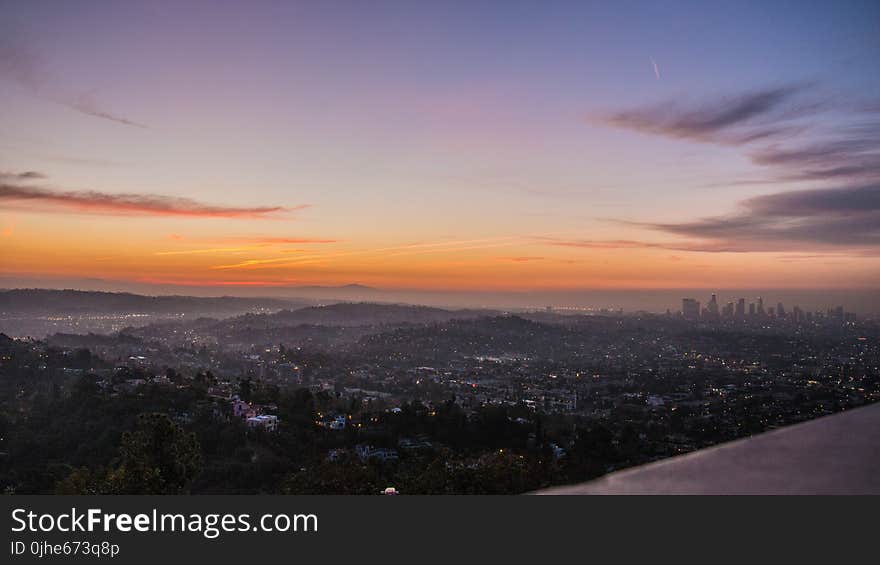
843 154
851 153
126 204
729 120
245 244
283 240
86 105
204 251
23 176
21 66
450 246
614 244
846 217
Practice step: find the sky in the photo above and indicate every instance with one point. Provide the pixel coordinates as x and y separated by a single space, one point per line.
465 146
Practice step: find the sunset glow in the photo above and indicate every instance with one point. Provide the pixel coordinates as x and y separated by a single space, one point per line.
538 150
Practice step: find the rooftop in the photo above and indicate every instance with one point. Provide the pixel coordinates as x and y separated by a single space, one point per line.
837 454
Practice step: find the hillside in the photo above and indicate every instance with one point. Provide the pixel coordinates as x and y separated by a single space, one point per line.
46 301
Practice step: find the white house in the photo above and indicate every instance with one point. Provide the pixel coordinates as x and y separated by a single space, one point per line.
267 422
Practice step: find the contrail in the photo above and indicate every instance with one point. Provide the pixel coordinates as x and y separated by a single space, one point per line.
656 68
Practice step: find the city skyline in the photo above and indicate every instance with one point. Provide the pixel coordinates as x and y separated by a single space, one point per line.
454 148
713 311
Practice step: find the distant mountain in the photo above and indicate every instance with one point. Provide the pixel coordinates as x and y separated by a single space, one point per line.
42 301
352 286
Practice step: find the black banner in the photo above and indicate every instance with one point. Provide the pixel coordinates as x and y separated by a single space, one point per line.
250 529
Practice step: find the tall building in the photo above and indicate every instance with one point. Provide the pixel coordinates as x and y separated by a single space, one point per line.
712 307
690 308
741 308
761 311
780 310
727 312
751 309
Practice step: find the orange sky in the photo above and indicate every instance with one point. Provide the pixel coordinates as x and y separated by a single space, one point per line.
153 250
426 147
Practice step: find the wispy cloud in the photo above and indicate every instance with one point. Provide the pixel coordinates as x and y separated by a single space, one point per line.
846 217
612 244
846 153
86 104
729 120
23 176
791 138
245 244
204 251
260 240
20 65
252 241
595 244
448 246
842 153
128 204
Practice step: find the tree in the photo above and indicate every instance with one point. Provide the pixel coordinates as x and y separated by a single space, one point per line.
158 457
86 386
245 389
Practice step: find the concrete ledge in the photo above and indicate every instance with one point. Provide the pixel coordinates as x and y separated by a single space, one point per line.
837 454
